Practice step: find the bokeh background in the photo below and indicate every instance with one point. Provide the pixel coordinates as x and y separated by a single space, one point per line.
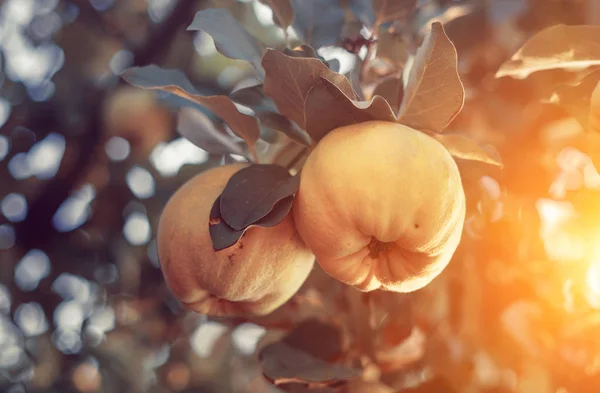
87 162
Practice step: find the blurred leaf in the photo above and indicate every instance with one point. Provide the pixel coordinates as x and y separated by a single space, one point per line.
462 146
297 388
594 119
392 48
434 93
328 108
573 48
283 364
501 11
388 10
175 82
231 39
198 129
318 339
308 51
289 79
318 22
254 97
221 234
577 99
252 192
373 12
392 89
283 13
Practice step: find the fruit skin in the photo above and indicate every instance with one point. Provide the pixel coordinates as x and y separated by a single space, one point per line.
381 206
262 271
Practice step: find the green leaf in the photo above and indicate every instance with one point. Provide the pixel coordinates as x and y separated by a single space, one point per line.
434 93
253 192
571 48
230 38
328 108
289 79
282 363
175 82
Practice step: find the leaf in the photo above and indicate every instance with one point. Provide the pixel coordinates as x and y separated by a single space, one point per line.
577 100
252 192
328 108
231 39
283 364
283 13
198 129
434 93
466 148
175 82
254 98
289 79
308 51
572 48
372 12
594 119
388 10
392 89
316 338
221 234
224 236
392 48
318 22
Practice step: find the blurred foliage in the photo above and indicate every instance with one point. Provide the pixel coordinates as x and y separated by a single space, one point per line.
87 162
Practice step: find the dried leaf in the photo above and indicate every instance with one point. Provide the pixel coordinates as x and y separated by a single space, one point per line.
328 108
252 192
318 22
283 13
221 234
196 127
572 48
594 119
318 339
175 82
289 79
392 89
434 94
231 39
283 364
462 146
